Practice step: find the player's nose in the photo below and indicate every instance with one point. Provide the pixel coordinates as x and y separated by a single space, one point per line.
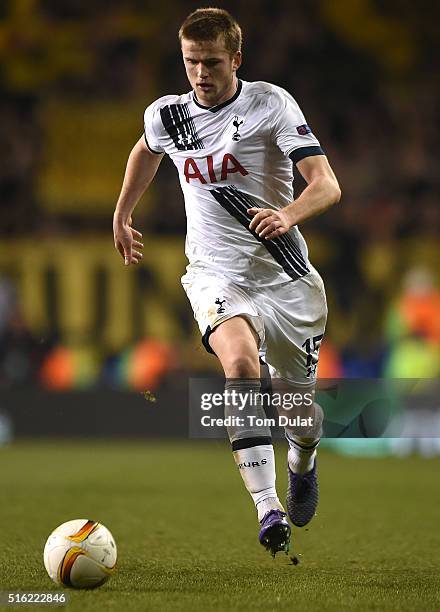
202 73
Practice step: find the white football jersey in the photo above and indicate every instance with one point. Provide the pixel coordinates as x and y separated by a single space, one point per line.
232 157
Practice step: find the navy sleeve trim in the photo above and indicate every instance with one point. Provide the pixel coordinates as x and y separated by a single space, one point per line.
152 150
302 152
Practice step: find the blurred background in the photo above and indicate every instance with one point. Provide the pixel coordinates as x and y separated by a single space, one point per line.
75 78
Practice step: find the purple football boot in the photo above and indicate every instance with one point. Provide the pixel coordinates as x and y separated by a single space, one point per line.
275 532
302 496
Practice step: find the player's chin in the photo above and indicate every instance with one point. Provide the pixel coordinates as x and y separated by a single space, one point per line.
209 94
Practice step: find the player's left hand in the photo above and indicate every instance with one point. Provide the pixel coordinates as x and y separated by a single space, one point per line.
128 241
268 223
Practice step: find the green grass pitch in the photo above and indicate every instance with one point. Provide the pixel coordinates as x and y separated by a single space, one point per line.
187 534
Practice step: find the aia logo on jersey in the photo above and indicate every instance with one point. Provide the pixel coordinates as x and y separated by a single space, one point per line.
236 122
196 171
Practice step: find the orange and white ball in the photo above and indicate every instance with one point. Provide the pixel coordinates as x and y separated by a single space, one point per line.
80 554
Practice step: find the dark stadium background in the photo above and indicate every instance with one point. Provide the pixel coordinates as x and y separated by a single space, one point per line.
90 349
75 78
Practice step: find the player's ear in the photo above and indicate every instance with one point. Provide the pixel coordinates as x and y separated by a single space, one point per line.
236 60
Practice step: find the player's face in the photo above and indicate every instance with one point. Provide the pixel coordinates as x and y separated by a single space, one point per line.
210 69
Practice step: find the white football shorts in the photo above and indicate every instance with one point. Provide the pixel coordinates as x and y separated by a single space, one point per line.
289 318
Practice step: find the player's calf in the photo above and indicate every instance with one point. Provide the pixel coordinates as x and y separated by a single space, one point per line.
235 343
303 434
303 490
254 456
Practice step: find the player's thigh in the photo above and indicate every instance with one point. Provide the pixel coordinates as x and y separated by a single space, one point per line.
235 343
225 311
295 316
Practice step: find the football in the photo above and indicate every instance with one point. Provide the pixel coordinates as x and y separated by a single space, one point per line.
81 554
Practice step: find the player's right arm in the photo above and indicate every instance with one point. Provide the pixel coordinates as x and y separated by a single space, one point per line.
141 168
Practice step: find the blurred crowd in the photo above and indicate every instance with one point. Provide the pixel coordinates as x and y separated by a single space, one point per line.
364 75
409 348
365 78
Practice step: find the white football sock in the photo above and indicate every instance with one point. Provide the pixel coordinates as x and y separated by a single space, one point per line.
264 506
302 453
257 468
302 449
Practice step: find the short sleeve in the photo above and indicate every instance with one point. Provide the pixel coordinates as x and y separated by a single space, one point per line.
150 133
290 131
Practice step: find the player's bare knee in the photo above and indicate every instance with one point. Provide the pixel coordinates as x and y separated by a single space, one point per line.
242 366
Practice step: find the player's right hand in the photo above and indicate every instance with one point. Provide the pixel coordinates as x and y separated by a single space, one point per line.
128 241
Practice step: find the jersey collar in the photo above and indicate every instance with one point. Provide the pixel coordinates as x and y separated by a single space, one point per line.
214 109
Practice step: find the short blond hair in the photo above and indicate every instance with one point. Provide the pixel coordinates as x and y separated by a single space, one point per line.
207 24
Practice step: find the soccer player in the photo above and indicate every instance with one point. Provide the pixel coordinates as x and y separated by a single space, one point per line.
252 288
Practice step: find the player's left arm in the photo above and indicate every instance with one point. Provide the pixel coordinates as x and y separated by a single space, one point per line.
321 193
